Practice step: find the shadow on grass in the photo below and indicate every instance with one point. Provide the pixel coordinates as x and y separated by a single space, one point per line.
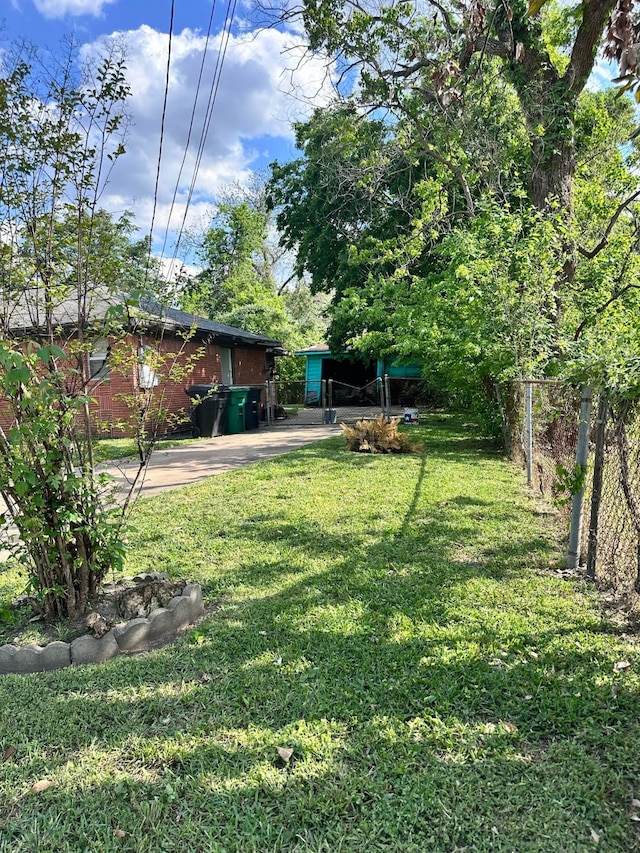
392 750
405 796
436 694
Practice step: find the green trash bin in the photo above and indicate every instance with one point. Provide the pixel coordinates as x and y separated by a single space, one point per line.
235 410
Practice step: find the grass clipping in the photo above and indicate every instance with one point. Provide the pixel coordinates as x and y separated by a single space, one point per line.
378 436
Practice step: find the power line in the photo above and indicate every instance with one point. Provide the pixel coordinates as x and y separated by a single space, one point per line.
191 123
162 123
213 93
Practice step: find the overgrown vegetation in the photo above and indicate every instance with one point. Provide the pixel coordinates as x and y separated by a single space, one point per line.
469 205
60 135
395 622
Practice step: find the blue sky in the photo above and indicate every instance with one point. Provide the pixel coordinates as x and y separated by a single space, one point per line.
254 108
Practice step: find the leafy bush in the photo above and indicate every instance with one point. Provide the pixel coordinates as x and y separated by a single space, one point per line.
378 436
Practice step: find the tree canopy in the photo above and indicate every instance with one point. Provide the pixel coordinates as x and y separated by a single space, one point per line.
245 282
466 199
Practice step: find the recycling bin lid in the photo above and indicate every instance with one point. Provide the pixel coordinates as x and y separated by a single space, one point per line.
205 390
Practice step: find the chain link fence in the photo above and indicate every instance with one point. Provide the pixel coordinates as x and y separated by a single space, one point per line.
319 401
541 431
606 524
295 403
613 535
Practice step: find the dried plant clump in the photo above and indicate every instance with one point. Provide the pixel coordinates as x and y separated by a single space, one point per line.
378 436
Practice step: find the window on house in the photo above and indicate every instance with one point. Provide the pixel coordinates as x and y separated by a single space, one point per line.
98 360
147 377
226 359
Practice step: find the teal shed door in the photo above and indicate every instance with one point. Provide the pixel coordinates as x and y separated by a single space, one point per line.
313 386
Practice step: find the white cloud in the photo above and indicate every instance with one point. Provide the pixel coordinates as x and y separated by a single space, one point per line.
253 111
604 71
62 8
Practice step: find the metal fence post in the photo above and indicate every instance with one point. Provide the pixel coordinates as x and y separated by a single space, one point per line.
330 394
268 401
577 504
387 394
529 430
596 488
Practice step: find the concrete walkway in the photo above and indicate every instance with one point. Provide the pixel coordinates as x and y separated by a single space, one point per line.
192 461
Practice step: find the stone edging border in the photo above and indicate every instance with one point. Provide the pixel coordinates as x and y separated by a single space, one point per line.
136 635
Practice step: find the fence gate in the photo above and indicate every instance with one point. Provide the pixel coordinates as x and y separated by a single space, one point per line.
311 402
350 403
293 403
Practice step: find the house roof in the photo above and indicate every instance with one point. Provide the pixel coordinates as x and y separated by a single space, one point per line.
174 319
27 315
317 349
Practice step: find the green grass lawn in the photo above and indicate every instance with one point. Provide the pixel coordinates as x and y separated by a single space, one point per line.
108 449
393 620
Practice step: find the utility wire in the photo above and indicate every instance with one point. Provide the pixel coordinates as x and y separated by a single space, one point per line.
231 9
191 124
162 124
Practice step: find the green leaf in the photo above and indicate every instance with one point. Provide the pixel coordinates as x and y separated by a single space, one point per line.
21 487
57 352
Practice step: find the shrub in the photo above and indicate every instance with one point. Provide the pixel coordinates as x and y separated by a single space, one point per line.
378 436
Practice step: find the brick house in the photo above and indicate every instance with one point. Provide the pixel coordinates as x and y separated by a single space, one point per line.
217 353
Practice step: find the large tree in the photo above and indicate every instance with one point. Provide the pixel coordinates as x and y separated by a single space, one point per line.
418 58
466 198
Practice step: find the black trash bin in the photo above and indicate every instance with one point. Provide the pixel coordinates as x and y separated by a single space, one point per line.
208 409
252 408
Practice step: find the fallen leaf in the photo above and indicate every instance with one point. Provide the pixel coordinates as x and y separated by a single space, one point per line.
494 830
595 836
262 633
528 696
8 754
279 662
534 655
620 665
635 804
636 817
119 833
41 785
510 727
284 752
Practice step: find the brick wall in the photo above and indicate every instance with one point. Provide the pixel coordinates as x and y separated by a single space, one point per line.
250 367
112 397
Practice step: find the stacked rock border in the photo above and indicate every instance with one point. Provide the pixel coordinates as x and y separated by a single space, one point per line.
136 635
